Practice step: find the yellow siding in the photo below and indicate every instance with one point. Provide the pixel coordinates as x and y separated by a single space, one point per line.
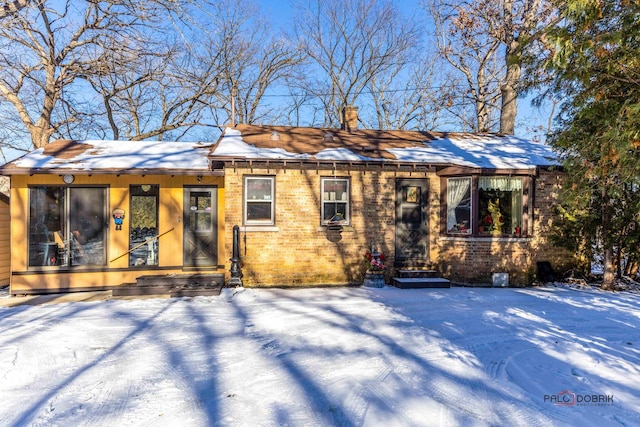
5 231
117 271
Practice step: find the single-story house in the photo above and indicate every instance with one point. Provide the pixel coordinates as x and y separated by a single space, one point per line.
303 206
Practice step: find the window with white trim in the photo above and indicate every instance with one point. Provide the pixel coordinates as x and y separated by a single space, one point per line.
335 200
259 200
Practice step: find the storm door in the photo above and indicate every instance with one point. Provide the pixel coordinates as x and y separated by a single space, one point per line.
200 226
411 221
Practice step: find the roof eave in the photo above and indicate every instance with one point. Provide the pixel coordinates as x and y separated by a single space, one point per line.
63 171
218 161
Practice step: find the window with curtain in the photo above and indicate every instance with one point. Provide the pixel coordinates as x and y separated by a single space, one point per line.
493 207
499 205
459 205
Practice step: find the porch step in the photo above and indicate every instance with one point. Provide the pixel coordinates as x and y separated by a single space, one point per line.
420 282
416 273
181 280
175 285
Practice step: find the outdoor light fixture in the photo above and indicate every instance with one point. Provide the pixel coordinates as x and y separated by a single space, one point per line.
275 136
68 179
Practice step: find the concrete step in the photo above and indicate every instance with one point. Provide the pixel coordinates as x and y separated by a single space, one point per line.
181 279
175 285
416 273
171 290
420 282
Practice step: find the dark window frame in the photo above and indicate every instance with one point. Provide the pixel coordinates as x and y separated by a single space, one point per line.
65 247
525 222
142 238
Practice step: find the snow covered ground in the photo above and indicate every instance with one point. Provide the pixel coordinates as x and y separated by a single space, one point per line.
547 356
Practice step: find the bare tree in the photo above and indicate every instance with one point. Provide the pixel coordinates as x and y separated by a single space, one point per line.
11 7
406 102
349 44
45 50
464 43
136 70
524 23
153 93
487 41
250 58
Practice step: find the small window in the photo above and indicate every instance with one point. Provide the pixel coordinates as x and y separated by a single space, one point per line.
335 200
259 200
459 205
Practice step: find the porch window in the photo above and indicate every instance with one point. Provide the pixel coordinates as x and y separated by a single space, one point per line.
459 205
143 235
259 200
335 200
67 226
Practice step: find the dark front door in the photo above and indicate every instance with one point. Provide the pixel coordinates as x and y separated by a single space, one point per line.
411 221
200 226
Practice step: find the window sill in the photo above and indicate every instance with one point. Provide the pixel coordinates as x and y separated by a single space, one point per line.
259 228
468 238
345 228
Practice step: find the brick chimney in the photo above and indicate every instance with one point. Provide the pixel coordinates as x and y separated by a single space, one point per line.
350 118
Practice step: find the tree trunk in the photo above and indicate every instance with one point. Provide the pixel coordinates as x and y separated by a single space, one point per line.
509 89
40 133
608 278
482 115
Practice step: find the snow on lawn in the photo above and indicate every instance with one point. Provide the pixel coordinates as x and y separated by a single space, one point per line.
546 356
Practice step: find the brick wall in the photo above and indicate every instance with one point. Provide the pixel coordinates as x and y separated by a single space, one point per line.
474 260
298 251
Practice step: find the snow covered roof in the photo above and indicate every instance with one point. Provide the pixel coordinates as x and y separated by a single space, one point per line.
251 142
113 157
